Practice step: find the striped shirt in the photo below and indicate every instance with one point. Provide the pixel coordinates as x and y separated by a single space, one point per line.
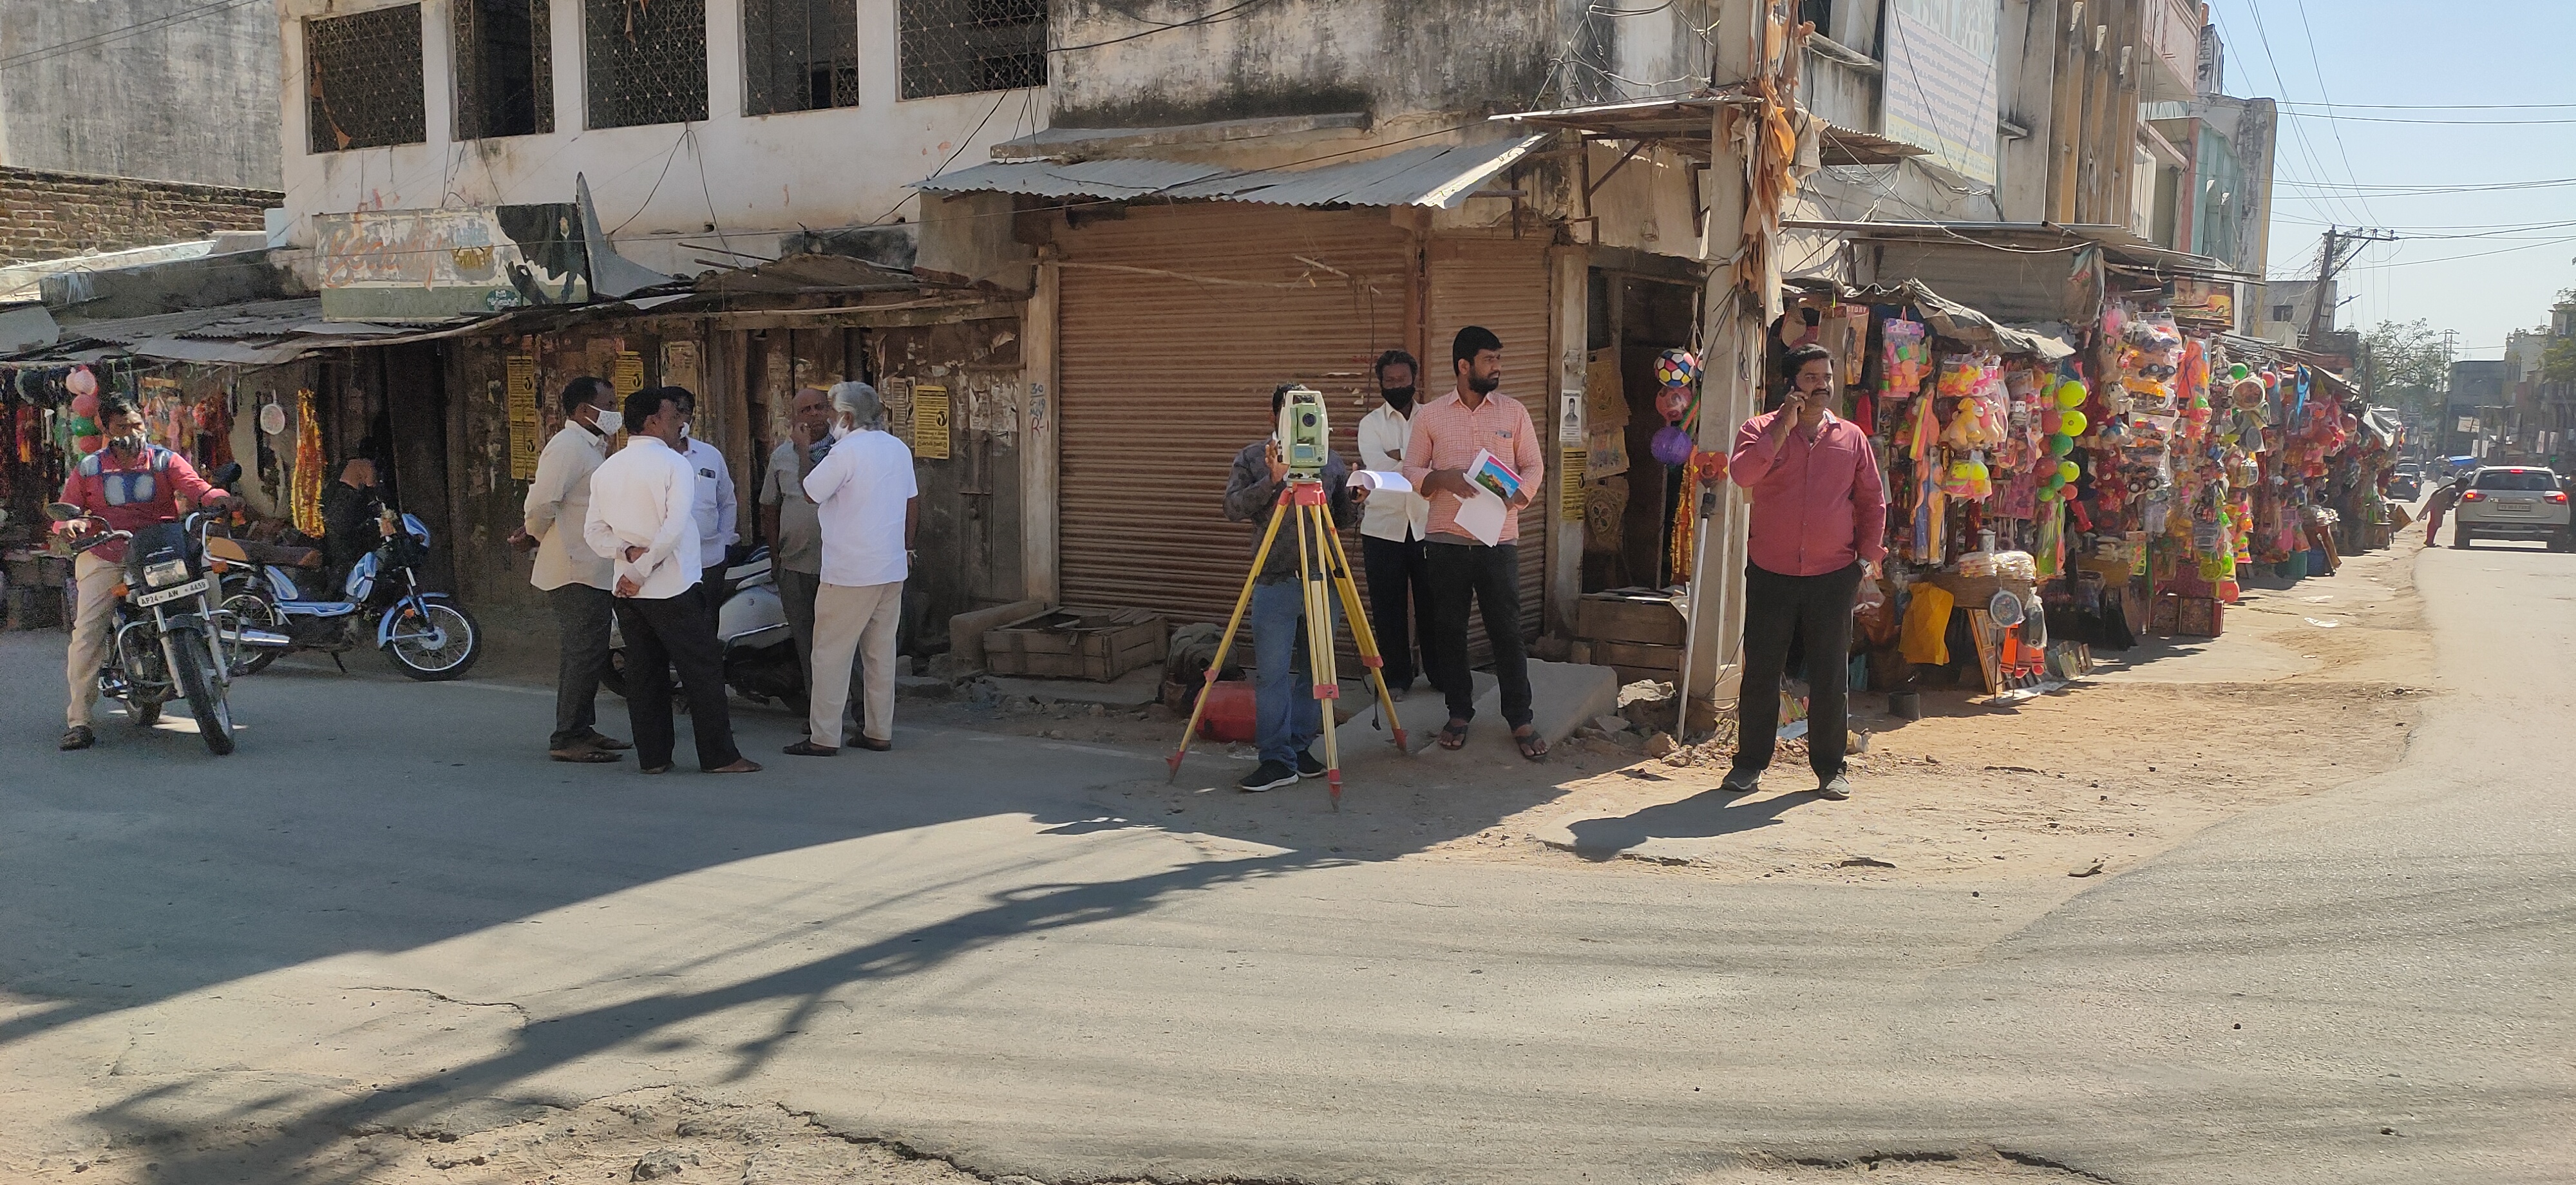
1447 434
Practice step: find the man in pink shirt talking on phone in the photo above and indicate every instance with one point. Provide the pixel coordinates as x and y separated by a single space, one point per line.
1818 526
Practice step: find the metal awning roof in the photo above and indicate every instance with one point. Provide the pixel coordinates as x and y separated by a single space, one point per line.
2048 340
1688 122
2123 246
1440 175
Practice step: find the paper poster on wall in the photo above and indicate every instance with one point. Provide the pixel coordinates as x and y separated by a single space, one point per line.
896 393
627 377
1940 83
929 422
519 395
1569 464
680 365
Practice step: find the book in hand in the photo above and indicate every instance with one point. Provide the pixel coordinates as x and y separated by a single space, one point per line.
1497 478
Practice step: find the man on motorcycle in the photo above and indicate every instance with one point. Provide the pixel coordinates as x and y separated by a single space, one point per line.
352 521
130 484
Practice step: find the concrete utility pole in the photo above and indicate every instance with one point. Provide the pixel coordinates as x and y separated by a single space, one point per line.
2330 259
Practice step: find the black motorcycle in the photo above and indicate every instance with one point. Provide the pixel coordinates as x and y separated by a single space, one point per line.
170 640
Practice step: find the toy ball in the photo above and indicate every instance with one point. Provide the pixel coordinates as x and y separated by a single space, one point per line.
81 382
1672 445
1674 403
85 406
89 444
2072 423
2060 444
2067 471
1676 368
1708 466
2237 372
2070 394
80 425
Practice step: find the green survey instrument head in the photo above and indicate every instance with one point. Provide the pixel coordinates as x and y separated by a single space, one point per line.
1304 433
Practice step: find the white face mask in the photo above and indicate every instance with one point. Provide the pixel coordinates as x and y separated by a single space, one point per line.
607 423
840 430
684 429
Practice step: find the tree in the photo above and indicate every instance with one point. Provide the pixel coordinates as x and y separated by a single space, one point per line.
2558 359
2407 366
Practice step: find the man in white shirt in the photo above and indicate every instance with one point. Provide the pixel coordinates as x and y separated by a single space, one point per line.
714 508
641 519
788 520
575 578
1393 530
869 505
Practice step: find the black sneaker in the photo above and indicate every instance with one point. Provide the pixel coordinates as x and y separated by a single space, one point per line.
1271 776
1308 767
78 736
1740 780
1836 788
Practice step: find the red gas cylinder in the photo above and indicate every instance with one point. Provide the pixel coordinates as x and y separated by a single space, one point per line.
1229 715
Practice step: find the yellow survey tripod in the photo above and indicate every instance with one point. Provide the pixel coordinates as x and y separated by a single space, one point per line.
1320 558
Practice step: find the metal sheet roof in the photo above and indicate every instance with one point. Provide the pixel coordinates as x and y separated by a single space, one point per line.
1440 175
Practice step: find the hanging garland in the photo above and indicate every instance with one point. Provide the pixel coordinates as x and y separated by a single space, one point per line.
305 497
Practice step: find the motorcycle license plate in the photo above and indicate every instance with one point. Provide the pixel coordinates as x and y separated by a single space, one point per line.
189 589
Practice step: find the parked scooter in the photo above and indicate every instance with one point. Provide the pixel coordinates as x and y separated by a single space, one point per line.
751 622
170 640
427 635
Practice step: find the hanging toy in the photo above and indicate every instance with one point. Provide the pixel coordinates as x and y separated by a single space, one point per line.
1673 403
2071 423
2068 471
2070 394
80 382
1676 368
1672 446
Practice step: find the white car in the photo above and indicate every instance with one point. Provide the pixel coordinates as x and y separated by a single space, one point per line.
2513 502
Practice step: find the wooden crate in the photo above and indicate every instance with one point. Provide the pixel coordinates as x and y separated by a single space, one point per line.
1095 644
1644 620
1631 660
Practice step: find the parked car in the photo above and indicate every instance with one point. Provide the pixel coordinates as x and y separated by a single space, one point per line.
2514 502
2405 486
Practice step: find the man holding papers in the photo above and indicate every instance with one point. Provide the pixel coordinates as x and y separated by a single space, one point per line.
1393 530
1475 455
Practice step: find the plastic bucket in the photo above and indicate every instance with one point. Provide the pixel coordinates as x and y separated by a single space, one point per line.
1905 705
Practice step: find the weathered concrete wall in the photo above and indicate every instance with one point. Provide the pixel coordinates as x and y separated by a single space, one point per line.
673 196
47 215
191 99
1304 57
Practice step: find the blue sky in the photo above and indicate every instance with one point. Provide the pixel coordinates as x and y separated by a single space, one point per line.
2398 56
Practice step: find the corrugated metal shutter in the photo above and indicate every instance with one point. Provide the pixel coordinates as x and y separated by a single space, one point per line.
1501 283
1175 325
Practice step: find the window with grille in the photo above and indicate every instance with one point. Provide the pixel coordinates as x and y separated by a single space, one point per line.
504 69
955 47
647 61
362 80
799 55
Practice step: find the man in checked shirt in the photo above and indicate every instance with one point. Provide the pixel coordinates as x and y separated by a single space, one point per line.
1446 436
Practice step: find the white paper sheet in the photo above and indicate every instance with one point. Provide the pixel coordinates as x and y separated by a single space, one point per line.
1483 516
1381 479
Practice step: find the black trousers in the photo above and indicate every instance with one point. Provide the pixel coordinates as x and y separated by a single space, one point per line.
660 635
1817 610
582 617
1399 578
1488 578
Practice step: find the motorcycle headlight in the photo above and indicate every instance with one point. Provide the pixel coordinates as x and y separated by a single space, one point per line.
165 573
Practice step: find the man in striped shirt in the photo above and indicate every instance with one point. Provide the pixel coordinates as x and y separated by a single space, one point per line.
1447 434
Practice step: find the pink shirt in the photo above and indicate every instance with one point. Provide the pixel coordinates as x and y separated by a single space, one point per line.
1819 505
1446 435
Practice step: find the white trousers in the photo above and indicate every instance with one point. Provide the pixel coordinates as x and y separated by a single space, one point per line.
93 620
854 620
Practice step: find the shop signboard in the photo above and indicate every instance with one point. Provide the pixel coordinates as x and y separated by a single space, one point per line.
1940 84
430 265
520 395
2209 301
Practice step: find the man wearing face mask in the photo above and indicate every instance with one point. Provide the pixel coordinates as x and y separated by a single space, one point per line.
1393 531
130 484
576 578
715 509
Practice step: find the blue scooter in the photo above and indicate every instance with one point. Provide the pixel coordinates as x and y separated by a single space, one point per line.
427 635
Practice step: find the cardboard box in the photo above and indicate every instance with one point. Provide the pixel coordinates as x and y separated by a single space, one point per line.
2200 617
1095 644
1619 617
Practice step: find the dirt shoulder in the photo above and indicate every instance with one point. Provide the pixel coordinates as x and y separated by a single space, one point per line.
2314 684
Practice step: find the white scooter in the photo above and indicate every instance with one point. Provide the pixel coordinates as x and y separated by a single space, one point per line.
751 623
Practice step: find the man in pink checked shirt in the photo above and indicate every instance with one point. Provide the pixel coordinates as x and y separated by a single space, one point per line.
1818 526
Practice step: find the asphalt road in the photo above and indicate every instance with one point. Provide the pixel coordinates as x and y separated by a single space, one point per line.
385 912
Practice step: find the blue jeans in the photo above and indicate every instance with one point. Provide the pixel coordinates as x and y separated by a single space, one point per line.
1286 715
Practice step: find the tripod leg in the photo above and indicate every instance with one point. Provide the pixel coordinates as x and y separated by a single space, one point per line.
1312 566
1364 636
1225 643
